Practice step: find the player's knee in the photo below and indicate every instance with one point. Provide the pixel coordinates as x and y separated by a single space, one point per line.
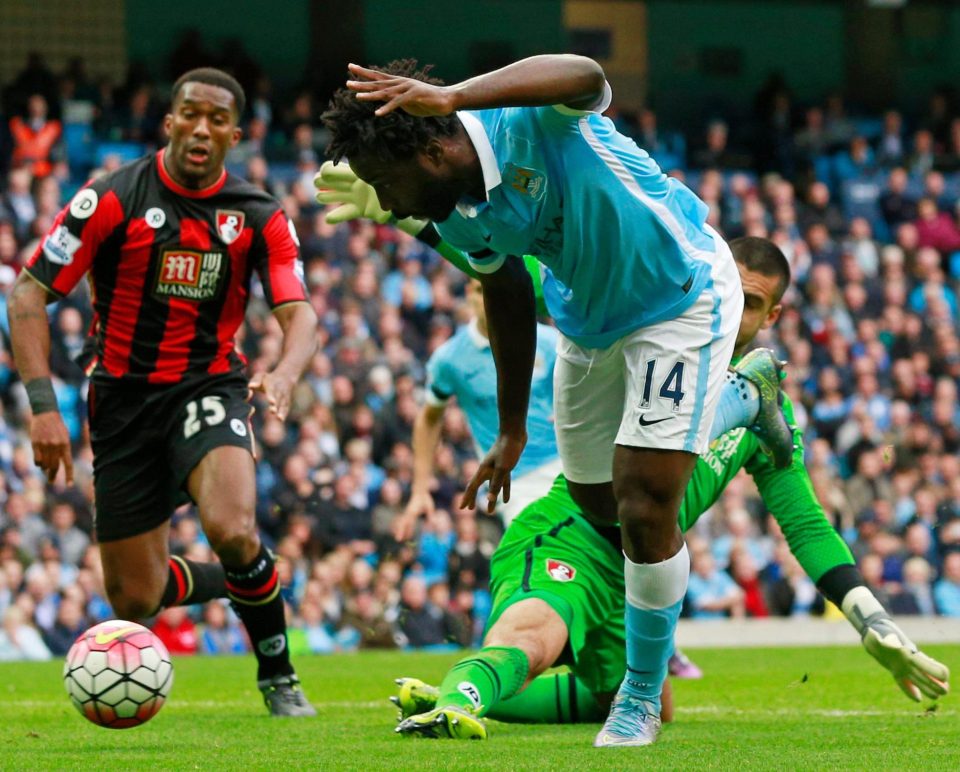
646 500
132 600
236 543
541 645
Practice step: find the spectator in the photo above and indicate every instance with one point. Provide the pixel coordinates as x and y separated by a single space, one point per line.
712 594
19 640
935 228
316 634
35 137
367 619
744 571
421 622
946 592
176 631
896 204
70 625
791 592
71 542
220 632
917 575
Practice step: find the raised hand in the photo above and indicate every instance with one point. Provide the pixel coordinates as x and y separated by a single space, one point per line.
495 467
395 91
337 184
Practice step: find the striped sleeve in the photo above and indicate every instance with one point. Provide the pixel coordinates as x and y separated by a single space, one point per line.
278 261
68 250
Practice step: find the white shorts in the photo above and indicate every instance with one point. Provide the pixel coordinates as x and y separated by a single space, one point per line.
524 490
657 387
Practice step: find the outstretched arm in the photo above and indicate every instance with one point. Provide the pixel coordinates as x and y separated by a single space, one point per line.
551 79
788 494
512 324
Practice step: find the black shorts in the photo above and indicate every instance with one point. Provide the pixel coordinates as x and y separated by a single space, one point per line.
146 441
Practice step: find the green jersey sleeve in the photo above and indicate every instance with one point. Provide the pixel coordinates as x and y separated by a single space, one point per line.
788 495
429 236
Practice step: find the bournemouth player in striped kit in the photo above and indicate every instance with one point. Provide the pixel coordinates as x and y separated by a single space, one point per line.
170 243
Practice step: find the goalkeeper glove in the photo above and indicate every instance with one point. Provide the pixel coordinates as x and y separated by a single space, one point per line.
916 674
337 184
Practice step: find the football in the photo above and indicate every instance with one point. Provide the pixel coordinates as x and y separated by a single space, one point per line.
118 674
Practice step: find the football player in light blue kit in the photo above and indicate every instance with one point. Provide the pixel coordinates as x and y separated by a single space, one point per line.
645 294
461 368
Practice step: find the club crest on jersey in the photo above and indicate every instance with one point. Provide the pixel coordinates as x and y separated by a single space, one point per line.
229 225
189 274
559 571
527 182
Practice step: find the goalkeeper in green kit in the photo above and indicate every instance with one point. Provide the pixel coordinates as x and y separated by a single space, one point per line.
557 579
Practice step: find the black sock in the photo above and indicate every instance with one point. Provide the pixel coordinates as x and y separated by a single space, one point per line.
190 582
254 591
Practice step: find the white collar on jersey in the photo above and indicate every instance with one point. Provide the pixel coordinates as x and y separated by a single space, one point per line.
479 340
481 143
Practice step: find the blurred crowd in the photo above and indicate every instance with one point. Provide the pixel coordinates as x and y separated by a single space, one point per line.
864 207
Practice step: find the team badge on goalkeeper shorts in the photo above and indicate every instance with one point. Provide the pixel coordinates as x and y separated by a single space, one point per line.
560 572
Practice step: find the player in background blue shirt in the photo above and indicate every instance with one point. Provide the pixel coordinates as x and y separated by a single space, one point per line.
646 296
462 368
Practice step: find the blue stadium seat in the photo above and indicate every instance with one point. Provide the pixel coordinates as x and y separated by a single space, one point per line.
823 170
78 143
869 128
125 151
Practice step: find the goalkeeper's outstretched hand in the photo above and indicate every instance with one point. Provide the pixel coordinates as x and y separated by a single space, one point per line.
916 674
337 184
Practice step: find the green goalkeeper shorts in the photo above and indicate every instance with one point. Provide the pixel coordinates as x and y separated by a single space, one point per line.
550 552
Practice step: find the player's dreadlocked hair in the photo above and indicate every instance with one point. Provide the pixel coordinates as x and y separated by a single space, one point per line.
212 77
398 135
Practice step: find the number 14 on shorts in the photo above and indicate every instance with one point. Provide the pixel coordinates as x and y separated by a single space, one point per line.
671 387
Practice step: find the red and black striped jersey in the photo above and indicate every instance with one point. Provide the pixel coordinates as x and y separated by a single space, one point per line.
170 268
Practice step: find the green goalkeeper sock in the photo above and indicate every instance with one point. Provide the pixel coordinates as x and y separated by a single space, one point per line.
556 698
477 682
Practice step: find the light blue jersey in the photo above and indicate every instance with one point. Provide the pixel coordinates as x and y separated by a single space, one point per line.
622 245
463 367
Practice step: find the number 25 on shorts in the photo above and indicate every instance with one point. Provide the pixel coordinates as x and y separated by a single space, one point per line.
209 412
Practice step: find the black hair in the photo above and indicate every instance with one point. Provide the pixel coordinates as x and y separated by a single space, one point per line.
355 130
212 77
765 257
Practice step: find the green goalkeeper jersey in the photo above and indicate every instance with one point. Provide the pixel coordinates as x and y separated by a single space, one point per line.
787 494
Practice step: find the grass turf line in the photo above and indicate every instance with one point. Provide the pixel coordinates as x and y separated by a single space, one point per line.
810 708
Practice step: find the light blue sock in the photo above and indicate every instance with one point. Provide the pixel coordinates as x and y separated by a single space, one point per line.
654 598
649 646
739 405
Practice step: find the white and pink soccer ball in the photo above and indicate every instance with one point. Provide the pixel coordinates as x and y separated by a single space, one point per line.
118 674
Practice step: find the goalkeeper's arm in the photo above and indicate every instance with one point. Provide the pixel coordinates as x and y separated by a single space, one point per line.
788 494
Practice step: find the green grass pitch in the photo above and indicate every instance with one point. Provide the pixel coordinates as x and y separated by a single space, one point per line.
814 708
